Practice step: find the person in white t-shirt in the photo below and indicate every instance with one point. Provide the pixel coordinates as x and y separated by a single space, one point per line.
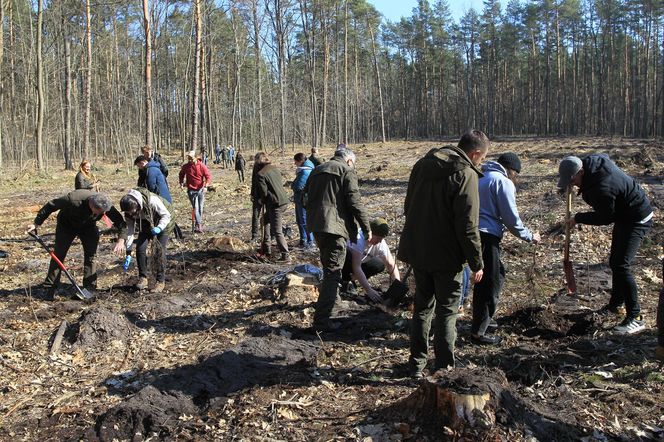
365 259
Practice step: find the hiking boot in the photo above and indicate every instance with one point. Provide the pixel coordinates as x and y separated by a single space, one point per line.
349 288
284 258
142 283
659 352
618 310
158 287
485 339
630 326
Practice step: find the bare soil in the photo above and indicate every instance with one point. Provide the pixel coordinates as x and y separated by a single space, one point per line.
223 354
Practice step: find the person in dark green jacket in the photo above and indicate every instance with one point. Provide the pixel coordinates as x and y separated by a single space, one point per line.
78 214
270 190
332 197
441 234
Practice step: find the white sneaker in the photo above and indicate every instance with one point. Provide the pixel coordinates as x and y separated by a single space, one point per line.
629 326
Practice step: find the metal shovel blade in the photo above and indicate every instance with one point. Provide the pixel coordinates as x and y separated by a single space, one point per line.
83 294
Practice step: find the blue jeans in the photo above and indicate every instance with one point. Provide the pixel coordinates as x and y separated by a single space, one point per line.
301 219
197 200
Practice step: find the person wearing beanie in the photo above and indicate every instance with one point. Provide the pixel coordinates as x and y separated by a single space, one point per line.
498 212
365 259
616 198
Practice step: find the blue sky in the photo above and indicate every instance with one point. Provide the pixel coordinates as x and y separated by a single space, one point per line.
393 10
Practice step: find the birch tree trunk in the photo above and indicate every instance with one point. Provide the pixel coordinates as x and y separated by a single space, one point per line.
148 74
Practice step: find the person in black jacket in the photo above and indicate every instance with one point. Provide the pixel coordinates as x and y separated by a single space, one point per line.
616 199
151 155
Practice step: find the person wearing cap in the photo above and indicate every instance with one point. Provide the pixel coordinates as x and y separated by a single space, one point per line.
441 234
315 159
78 213
196 177
151 155
155 181
148 216
365 259
333 204
498 212
617 199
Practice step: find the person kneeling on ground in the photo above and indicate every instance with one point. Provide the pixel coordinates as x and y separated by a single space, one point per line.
497 211
617 199
78 214
147 215
368 258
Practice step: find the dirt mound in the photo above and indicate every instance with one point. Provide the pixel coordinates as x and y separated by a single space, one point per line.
100 327
549 324
229 244
192 389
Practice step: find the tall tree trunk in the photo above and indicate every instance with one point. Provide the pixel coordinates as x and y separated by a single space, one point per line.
2 80
148 74
346 103
88 82
195 109
67 147
377 73
40 88
259 83
281 58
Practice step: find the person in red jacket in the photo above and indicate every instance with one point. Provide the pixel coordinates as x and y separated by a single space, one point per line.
196 176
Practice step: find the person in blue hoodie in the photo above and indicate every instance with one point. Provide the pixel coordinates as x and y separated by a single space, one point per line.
304 166
616 198
155 181
497 211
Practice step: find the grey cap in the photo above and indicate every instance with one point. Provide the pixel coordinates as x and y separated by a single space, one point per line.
568 167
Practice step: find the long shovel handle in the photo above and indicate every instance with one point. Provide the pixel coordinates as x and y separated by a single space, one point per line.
568 213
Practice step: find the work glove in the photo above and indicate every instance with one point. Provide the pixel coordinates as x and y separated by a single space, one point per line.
127 262
156 231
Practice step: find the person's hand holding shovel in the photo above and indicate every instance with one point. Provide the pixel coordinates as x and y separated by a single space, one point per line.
31 228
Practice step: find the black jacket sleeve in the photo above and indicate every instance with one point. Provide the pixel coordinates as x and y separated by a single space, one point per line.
50 207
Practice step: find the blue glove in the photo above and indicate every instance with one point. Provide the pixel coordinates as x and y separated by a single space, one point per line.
156 231
127 263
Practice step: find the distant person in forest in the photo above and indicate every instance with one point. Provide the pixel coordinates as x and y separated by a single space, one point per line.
315 158
497 211
439 236
224 157
617 199
204 157
303 168
333 207
155 181
274 198
217 154
78 213
195 176
85 178
148 217
231 155
240 164
151 155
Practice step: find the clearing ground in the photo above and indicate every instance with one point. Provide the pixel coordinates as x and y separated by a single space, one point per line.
223 354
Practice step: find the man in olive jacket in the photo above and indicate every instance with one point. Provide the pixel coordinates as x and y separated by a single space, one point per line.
270 190
440 235
78 214
333 205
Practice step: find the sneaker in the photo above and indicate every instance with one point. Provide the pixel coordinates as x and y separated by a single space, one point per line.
158 287
630 326
493 325
485 339
618 310
142 283
659 352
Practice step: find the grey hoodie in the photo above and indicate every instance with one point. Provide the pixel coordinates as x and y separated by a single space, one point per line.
161 217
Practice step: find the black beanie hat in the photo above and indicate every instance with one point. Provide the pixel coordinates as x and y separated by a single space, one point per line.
510 160
379 227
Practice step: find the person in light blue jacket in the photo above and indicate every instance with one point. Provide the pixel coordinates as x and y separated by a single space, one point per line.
304 167
498 212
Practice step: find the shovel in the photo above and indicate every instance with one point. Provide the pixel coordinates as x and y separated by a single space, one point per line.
567 264
82 293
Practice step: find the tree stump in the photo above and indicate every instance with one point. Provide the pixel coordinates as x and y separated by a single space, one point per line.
298 289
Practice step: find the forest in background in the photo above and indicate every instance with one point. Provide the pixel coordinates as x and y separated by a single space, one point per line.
84 79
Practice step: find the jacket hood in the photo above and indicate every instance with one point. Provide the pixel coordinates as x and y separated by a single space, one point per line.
137 195
596 168
493 166
153 163
307 165
445 161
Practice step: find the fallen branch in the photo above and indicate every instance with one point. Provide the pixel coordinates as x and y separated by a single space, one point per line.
57 340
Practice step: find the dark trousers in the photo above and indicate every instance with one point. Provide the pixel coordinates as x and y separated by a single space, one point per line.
301 219
64 236
487 292
370 267
256 207
625 242
439 291
332 254
142 243
274 216
240 175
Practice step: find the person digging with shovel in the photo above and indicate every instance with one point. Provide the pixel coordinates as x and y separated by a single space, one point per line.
617 199
78 213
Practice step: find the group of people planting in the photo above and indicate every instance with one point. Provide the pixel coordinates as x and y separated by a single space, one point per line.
457 208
